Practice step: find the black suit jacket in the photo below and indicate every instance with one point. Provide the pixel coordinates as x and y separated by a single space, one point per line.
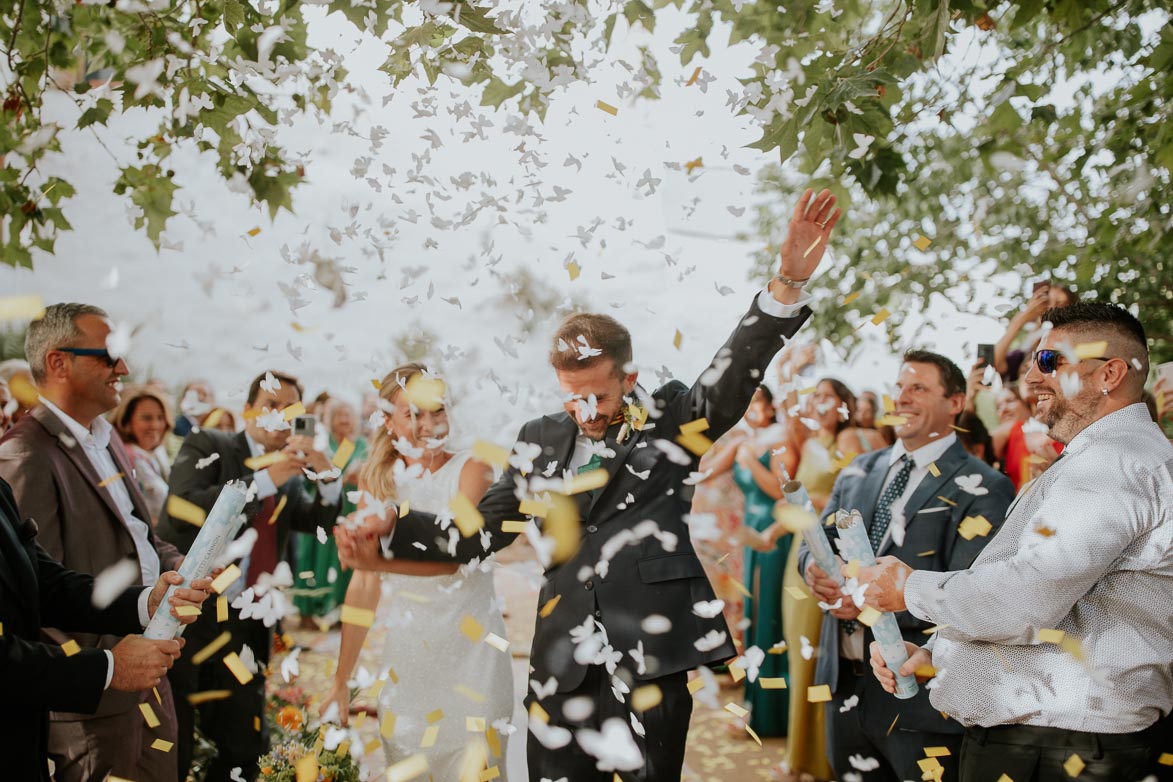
645 577
36 591
303 511
931 542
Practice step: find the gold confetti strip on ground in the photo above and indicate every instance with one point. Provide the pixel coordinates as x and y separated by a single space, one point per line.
197 698
497 642
225 579
692 79
293 411
515 526
818 693
696 685
881 315
768 683
161 745
185 510
343 454
27 307
737 711
1074 765
212 648
359 617
490 453
922 243
868 616
974 526
466 516
149 715
264 461
233 663
407 769
607 107
70 648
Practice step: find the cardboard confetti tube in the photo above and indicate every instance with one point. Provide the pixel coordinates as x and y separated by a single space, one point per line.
816 539
219 528
855 547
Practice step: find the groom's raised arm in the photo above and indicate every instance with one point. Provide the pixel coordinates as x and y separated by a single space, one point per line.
723 391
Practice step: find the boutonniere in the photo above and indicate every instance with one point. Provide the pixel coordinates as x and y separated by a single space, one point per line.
634 417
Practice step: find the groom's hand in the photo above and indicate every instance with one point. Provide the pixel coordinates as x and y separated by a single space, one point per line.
806 239
358 550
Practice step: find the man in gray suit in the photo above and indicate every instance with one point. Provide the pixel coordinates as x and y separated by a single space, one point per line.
70 472
929 503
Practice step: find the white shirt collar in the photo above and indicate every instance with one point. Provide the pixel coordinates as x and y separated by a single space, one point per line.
254 448
97 435
925 455
1135 416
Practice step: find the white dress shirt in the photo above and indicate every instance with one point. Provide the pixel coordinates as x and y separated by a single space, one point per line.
851 644
1086 550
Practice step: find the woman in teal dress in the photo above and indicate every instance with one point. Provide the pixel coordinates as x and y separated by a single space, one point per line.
757 471
317 596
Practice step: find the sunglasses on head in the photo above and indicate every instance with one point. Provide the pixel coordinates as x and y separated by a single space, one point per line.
1048 360
99 353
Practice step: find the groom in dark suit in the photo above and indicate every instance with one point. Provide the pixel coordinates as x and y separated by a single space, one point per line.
616 629
931 504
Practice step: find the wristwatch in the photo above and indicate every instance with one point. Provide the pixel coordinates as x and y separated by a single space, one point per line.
789 283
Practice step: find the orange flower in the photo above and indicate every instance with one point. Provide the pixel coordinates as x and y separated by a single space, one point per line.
289 718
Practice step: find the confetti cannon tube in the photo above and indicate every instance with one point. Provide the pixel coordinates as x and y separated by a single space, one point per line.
218 529
855 547
816 539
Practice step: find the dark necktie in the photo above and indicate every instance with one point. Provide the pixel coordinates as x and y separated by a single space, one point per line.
883 516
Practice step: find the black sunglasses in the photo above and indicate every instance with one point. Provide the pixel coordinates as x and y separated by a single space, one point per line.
1048 360
98 353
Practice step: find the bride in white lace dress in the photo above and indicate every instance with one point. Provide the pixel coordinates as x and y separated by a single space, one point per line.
447 692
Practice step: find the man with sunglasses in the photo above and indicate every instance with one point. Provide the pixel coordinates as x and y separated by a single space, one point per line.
70 472
1055 648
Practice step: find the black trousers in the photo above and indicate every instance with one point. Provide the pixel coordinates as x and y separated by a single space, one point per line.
876 728
232 723
1027 753
665 728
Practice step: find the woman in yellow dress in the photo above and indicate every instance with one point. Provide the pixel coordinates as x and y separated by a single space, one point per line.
832 408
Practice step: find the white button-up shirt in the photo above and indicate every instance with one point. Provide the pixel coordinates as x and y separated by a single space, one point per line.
1065 619
95 443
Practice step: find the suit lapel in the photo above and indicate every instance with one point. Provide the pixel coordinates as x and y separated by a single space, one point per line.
77 455
615 463
559 433
931 487
126 467
20 575
873 483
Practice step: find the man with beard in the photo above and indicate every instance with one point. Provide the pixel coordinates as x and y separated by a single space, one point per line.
1055 648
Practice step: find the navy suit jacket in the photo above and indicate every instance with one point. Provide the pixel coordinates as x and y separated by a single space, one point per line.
931 542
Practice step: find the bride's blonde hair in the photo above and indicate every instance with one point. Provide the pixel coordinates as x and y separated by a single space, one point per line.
377 476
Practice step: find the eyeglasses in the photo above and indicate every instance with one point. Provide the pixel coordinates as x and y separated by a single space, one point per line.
99 353
1048 360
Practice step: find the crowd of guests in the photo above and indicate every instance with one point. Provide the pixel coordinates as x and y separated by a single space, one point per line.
934 465
813 430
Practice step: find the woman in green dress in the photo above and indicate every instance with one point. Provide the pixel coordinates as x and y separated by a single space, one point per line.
757 470
320 581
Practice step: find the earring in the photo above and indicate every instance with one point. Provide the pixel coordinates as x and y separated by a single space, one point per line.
1104 391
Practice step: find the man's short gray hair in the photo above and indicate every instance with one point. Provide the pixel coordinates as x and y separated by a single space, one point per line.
57 328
